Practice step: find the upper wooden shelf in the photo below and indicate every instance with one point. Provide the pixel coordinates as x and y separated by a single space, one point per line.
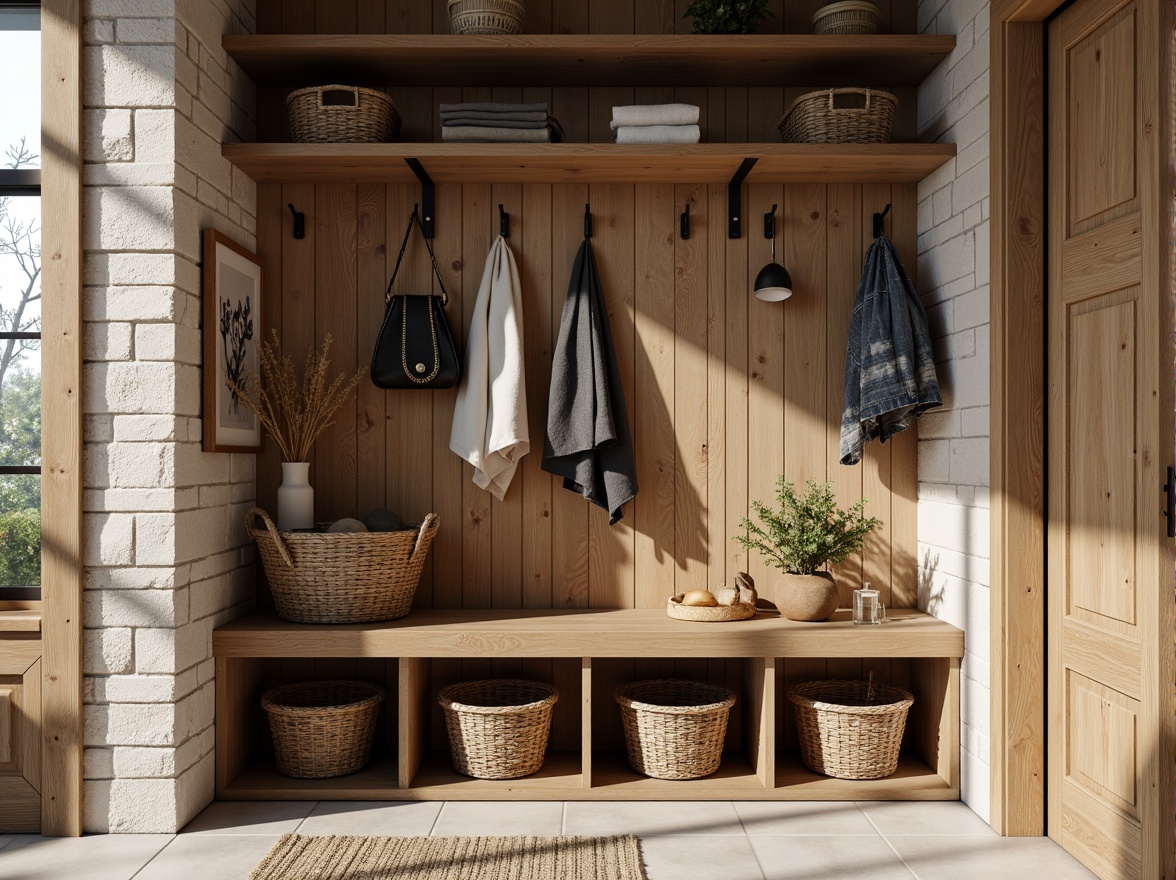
589 60
588 163
589 633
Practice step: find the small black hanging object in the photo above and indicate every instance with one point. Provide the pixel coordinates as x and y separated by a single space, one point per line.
503 223
299 222
684 223
587 221
770 224
879 221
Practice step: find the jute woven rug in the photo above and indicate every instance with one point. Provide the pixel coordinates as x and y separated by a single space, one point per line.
296 857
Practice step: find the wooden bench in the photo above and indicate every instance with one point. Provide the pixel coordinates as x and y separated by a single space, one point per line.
586 654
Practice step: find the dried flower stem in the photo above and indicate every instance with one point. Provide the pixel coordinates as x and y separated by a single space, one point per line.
293 413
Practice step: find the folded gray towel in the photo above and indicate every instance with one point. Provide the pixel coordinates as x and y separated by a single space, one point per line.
557 132
537 116
654 114
473 134
658 134
451 121
493 107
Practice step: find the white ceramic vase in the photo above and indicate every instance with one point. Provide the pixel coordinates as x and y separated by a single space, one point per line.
295 497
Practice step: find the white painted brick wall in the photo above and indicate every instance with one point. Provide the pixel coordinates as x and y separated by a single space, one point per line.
953 441
166 556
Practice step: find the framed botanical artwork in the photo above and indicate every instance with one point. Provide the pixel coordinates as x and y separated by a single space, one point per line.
232 330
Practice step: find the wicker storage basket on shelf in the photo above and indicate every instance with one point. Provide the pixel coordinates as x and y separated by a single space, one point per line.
346 577
815 118
498 727
487 16
674 729
342 115
322 728
850 729
847 17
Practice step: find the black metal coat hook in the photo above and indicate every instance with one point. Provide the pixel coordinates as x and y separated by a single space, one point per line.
587 221
684 223
879 221
503 222
299 222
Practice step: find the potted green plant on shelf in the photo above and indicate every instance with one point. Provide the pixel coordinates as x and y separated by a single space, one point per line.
727 16
806 535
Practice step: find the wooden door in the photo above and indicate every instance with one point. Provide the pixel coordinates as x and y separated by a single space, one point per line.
20 735
1110 566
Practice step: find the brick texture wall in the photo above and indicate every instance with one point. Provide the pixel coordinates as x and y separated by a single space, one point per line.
167 557
953 441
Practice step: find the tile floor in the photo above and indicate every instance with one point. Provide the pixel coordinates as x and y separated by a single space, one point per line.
680 841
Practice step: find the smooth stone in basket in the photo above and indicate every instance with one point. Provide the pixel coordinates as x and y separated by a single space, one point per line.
347 525
383 520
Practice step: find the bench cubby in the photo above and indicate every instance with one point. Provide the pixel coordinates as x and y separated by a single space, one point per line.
587 654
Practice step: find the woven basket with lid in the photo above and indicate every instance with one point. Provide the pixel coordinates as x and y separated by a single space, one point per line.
498 727
342 115
674 728
816 118
847 17
850 729
341 577
322 728
487 16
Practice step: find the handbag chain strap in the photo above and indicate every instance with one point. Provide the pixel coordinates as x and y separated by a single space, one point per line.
414 219
419 380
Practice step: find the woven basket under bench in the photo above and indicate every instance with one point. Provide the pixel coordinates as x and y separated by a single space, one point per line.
341 577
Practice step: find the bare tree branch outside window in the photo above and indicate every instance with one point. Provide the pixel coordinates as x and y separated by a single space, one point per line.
18 239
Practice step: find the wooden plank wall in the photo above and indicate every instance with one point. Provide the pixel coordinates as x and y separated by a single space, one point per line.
724 392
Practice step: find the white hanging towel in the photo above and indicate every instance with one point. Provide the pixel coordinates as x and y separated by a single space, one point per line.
490 418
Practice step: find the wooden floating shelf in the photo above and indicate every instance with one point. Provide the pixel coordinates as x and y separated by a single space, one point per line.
587 163
623 633
589 60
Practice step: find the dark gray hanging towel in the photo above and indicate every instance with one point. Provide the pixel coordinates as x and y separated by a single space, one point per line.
889 366
588 441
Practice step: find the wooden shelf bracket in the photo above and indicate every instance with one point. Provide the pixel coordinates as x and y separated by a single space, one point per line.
428 195
735 198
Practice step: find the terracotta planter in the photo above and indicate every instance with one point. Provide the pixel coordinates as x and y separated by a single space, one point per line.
807 596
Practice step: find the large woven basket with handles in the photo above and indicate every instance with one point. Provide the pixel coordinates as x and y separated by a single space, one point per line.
840 116
850 729
342 115
344 577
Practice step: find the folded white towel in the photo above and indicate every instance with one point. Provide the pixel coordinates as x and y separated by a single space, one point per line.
654 114
490 428
658 134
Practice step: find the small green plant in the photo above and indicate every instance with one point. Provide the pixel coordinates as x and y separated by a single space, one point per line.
809 531
727 16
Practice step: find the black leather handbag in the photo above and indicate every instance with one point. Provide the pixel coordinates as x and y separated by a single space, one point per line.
415 347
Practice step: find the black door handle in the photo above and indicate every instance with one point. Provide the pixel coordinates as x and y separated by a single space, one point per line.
1169 511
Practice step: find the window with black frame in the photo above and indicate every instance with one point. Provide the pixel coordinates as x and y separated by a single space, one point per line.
20 302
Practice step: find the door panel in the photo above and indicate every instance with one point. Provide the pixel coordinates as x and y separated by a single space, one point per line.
20 736
1101 105
1106 556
